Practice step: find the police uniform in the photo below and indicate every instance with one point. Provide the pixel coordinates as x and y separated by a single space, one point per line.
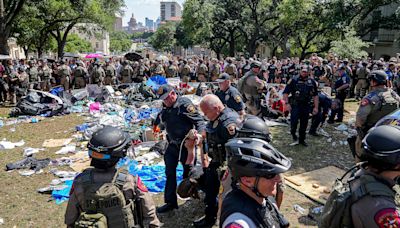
324 106
33 77
178 120
302 90
373 107
231 98
132 188
65 73
171 71
219 132
109 75
202 73
375 209
45 75
362 83
341 95
79 77
126 73
251 87
240 210
215 71
97 75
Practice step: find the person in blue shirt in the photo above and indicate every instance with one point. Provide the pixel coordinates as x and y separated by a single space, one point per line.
325 104
342 85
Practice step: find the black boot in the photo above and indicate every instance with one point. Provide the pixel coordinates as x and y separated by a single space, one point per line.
205 221
166 207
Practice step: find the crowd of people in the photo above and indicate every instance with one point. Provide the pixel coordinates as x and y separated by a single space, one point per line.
240 168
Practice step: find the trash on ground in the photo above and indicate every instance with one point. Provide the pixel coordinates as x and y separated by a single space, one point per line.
7 145
56 142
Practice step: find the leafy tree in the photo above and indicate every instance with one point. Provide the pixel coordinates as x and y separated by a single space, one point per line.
120 42
75 44
350 47
9 10
164 38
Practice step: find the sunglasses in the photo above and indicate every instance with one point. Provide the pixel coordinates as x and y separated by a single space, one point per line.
270 176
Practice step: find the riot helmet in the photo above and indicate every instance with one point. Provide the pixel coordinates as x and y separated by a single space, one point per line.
381 147
107 146
379 76
254 127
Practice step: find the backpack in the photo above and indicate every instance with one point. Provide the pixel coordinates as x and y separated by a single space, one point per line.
337 210
105 204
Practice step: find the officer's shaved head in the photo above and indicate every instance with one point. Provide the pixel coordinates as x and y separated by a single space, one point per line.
211 106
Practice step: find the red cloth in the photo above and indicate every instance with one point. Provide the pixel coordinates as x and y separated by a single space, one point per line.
279 105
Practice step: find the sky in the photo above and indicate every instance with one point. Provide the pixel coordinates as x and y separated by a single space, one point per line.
142 9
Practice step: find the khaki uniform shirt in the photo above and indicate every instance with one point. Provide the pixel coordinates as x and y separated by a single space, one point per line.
77 196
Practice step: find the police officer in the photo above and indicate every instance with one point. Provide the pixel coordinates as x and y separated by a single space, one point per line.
377 204
342 86
171 70
229 95
97 76
325 104
179 116
80 74
215 69
45 75
110 73
231 69
185 71
302 90
33 75
126 72
202 72
255 167
251 86
362 83
378 103
64 72
106 147
221 127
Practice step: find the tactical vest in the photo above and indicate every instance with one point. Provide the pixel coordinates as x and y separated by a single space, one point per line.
337 210
216 134
97 74
263 216
202 69
46 73
185 70
126 71
63 71
362 73
171 71
110 71
104 198
387 104
33 74
79 72
215 70
303 91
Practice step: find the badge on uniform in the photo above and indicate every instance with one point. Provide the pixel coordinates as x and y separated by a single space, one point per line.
238 99
191 109
231 129
215 124
227 97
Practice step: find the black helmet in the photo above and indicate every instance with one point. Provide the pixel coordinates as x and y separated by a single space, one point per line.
255 158
379 76
254 127
381 147
107 146
325 61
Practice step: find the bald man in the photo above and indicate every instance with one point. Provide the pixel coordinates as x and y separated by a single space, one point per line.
221 127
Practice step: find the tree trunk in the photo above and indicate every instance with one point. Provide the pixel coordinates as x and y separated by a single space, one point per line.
232 44
26 52
251 47
39 52
3 43
60 49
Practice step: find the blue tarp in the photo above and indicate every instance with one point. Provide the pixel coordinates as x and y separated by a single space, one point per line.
156 81
152 176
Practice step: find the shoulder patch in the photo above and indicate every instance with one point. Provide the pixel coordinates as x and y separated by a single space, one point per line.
231 128
191 109
141 185
233 225
364 102
238 99
388 217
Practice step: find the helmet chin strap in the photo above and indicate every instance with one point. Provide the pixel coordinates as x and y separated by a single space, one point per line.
255 189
